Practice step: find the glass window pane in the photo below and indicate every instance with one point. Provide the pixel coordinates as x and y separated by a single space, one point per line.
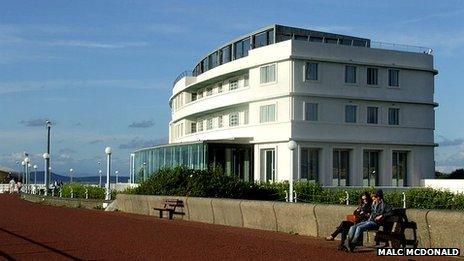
311 71
350 113
261 39
350 74
393 77
372 115
311 112
393 116
270 36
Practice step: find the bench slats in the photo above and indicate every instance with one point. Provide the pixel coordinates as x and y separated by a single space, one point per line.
170 206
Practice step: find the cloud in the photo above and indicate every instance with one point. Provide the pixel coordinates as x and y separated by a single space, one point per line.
137 143
447 142
39 122
95 141
28 86
91 44
142 124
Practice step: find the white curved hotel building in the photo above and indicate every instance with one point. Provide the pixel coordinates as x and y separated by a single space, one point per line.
362 114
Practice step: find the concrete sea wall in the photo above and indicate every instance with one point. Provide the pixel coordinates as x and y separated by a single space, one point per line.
434 228
66 202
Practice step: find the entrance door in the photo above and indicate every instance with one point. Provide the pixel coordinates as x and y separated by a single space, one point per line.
341 167
268 164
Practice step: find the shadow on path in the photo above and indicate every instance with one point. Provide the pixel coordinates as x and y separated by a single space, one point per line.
54 250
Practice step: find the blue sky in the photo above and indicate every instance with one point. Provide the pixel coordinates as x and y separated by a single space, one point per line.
102 71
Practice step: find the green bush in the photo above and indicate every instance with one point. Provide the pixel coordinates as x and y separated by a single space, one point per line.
182 181
94 192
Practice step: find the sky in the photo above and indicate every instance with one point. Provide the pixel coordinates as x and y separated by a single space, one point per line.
102 71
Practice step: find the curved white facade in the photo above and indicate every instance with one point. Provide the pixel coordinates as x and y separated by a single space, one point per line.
360 115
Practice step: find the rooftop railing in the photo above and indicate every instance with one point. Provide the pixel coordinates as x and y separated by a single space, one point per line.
401 47
182 75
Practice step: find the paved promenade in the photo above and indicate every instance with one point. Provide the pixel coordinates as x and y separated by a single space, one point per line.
34 231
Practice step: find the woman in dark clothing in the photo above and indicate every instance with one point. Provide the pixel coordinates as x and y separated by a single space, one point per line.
361 213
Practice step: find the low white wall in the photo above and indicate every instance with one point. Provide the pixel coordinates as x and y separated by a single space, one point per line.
453 185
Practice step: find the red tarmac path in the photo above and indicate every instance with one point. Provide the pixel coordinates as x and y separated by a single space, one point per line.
30 231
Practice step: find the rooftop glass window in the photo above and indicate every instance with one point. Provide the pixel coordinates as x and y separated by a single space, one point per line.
331 40
260 39
359 43
225 55
270 36
345 41
301 37
315 39
241 48
213 60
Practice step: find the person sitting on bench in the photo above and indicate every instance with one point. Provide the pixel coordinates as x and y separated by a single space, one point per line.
359 215
379 211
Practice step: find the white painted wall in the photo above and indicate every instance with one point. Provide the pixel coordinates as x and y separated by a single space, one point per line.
453 185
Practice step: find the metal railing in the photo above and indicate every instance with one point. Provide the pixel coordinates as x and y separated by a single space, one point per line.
401 47
182 75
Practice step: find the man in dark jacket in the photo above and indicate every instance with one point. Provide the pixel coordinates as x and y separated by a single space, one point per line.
379 211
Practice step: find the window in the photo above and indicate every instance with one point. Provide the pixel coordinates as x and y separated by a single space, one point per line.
311 71
200 94
200 126
315 39
372 115
209 123
350 113
234 119
393 77
399 168
220 124
246 80
241 48
331 40
371 168
310 164
246 116
345 41
209 91
393 116
193 127
260 39
233 85
267 113
311 112
350 74
194 96
341 167
219 87
359 43
372 76
213 60
267 73
225 55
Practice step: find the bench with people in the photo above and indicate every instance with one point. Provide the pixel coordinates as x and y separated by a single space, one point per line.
374 214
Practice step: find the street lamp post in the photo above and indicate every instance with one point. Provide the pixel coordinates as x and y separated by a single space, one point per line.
23 163
117 176
108 171
292 146
46 157
35 174
48 126
71 175
100 182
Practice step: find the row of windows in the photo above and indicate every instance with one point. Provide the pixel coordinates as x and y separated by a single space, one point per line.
229 85
234 51
219 121
372 115
372 77
310 163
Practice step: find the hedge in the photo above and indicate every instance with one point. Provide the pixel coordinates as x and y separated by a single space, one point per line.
79 189
182 181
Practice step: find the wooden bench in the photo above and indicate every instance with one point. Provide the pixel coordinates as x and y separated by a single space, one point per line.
170 206
394 228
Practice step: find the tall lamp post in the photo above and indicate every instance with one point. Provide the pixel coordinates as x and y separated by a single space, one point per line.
71 175
108 171
48 126
117 176
23 163
292 146
35 174
100 182
46 157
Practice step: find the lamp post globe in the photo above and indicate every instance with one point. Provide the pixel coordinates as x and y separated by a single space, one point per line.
108 150
292 145
46 155
71 175
23 163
